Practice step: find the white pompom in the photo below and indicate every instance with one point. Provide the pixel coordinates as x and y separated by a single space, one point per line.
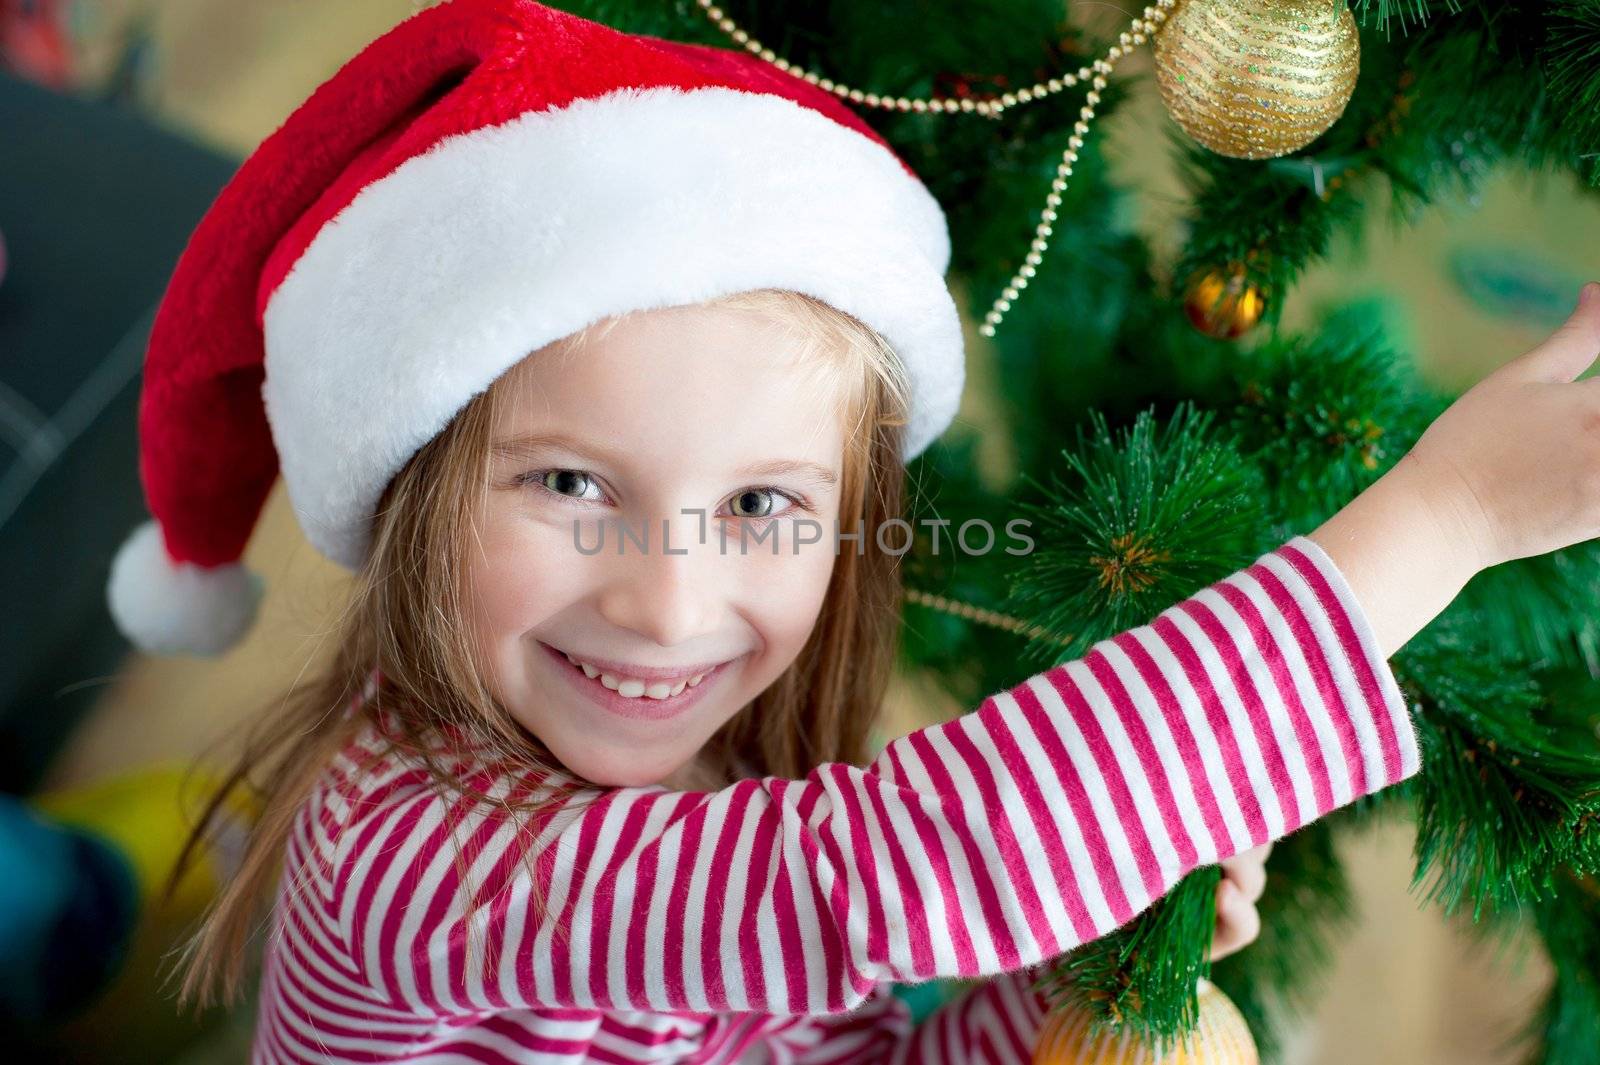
178 608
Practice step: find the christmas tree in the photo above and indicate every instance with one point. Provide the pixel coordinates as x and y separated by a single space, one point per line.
1165 430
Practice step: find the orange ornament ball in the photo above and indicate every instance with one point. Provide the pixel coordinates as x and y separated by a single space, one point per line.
1223 304
1221 1038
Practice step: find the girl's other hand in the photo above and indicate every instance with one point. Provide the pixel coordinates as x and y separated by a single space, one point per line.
1244 877
1513 466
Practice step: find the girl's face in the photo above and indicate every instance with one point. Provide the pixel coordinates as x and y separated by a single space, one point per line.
705 421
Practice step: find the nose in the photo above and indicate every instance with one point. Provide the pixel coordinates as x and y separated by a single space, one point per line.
669 598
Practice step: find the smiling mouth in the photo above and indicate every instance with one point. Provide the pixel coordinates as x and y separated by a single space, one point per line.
631 696
634 688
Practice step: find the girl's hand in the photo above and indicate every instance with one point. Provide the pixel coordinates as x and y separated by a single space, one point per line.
1512 468
1244 877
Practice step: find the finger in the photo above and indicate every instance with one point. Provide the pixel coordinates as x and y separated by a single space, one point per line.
1249 877
1254 856
1572 348
1248 870
1238 923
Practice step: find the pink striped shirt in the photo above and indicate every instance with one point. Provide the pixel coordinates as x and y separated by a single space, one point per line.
766 921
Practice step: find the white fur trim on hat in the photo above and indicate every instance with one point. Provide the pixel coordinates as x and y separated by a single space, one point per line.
169 608
445 273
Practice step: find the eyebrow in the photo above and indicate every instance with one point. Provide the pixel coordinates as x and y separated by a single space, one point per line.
526 444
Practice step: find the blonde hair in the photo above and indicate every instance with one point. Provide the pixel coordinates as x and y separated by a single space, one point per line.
403 606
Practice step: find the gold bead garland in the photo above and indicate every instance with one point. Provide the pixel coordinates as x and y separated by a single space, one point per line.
983 616
1143 28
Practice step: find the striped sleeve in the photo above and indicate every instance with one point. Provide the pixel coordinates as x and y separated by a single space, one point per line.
995 1023
1049 815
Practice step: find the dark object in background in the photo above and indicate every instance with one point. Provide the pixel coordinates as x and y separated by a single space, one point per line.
96 203
68 903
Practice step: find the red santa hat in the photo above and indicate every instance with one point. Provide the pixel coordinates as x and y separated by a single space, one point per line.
487 177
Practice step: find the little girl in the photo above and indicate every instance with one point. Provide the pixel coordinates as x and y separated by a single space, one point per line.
512 285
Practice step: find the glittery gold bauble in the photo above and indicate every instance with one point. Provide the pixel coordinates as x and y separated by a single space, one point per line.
1221 1038
1223 303
1254 79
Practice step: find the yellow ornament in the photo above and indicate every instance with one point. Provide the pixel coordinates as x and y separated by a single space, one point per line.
1253 79
1221 1038
1223 304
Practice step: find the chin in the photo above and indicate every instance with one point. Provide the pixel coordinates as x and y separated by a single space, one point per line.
614 775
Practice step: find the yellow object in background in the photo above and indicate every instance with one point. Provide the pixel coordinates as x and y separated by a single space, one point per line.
1221 1038
146 815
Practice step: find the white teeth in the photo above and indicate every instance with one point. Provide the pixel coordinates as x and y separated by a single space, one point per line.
629 688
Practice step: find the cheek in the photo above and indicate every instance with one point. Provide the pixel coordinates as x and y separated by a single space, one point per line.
517 578
791 589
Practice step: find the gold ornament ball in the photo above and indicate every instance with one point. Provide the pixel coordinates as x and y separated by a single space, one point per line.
1223 304
1253 79
1221 1038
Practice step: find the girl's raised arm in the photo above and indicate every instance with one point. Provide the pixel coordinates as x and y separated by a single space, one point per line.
1051 814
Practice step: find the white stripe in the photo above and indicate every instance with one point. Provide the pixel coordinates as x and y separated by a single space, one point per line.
770 957
624 947
363 863
1214 659
594 862
694 916
310 971
1024 830
853 932
1066 824
1194 709
818 979
331 977
962 875
1320 715
357 1019
415 900
654 963
1333 650
303 829
732 945
566 854
928 896
895 917
1394 697
302 1032
1281 728
513 961
1129 766
1094 789
1173 764
507 1047
472 924
633 1050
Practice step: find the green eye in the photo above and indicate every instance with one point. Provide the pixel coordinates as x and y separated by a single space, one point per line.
755 498
565 482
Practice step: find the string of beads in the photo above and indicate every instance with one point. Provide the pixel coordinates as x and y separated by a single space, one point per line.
983 616
1142 29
